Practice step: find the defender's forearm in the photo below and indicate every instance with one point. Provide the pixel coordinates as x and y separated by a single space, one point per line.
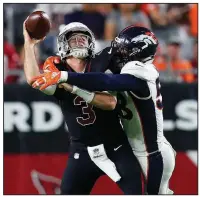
104 101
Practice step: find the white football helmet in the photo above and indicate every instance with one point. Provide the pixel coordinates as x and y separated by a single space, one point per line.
77 40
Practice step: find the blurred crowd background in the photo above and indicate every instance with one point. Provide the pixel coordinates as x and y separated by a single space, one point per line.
175 25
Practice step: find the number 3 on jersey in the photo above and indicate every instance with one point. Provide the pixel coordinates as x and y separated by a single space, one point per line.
88 115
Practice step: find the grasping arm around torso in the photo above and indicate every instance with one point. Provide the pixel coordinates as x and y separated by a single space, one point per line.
102 100
134 77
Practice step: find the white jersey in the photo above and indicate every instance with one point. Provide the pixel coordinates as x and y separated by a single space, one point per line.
145 126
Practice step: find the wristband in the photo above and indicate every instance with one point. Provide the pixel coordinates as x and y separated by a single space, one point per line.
63 77
85 95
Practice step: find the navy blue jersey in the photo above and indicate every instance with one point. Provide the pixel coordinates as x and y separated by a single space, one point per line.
86 123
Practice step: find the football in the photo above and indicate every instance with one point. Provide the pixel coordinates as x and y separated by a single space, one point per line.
38 24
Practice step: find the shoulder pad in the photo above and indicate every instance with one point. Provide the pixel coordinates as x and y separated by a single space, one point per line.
140 70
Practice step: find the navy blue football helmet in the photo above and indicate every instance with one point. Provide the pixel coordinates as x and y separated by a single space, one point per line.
135 43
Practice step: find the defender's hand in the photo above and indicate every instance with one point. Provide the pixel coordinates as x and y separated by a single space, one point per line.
48 79
66 86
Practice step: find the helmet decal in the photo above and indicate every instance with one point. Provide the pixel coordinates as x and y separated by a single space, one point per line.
135 43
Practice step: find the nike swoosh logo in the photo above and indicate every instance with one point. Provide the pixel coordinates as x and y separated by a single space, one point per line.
109 52
117 148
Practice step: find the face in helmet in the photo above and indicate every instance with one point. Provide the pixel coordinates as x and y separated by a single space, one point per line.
135 43
76 40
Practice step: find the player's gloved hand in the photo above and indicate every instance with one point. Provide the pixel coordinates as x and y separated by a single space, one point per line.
49 64
49 78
